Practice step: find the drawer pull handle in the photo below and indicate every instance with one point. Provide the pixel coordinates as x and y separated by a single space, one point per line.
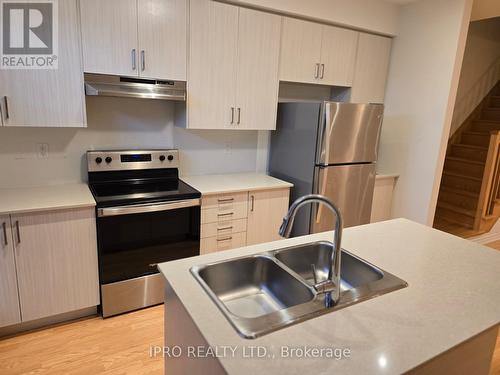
228 214
225 200
5 239
225 228
224 239
253 202
18 231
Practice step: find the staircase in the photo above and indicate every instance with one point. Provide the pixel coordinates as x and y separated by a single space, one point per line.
469 191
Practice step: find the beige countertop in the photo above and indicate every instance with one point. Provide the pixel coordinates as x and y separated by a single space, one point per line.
44 198
224 183
452 296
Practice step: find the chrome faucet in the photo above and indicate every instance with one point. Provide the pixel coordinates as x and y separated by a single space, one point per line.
331 286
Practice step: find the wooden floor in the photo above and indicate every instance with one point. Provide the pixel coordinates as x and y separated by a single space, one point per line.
114 346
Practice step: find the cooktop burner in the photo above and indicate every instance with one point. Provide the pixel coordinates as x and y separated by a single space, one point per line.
118 178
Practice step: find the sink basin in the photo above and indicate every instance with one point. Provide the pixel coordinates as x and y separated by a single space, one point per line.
354 271
254 286
265 292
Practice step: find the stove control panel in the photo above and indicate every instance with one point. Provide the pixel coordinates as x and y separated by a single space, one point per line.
131 159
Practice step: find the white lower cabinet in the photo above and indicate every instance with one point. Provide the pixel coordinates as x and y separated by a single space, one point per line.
233 220
382 198
9 298
265 214
55 262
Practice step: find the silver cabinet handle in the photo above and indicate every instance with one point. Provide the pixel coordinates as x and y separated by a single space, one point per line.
322 71
232 115
5 240
143 60
224 239
134 59
1 116
316 71
6 101
228 214
252 200
18 232
225 228
226 200
239 116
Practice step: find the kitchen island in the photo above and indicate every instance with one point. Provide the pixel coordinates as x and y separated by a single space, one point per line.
447 316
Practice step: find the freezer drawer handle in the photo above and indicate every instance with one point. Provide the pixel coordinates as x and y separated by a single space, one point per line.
142 208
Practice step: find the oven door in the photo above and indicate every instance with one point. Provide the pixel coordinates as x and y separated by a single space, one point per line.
134 239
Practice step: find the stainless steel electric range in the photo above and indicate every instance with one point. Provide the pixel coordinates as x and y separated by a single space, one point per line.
145 215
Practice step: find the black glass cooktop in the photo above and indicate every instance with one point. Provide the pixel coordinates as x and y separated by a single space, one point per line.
134 192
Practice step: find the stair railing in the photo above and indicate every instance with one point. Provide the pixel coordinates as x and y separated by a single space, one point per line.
490 185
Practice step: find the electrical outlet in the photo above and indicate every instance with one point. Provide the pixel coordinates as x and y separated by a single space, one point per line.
42 150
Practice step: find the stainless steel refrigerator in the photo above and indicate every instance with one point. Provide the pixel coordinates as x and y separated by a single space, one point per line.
327 148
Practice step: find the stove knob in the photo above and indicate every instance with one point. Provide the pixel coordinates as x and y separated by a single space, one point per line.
109 159
170 157
162 157
98 160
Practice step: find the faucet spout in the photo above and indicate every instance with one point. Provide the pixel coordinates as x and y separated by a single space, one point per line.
331 286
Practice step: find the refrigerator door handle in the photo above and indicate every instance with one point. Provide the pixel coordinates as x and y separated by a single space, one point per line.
322 191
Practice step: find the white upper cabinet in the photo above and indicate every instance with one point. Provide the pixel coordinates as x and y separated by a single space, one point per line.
371 69
145 38
338 56
257 70
315 53
212 65
163 39
109 36
233 67
43 97
300 51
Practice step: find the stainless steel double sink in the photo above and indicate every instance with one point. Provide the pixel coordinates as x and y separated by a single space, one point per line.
265 292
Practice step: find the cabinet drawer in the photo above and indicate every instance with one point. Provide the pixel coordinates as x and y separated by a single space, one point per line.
223 201
223 228
226 212
222 242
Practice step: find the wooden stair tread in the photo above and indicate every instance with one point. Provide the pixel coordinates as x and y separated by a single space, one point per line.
454 158
454 174
455 229
486 121
474 147
447 189
460 210
472 132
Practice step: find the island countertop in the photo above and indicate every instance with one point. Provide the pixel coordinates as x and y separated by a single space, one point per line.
453 295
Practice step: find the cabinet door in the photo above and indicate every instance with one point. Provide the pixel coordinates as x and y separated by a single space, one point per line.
52 98
266 210
9 306
372 65
257 73
109 36
212 65
163 39
56 257
300 51
338 56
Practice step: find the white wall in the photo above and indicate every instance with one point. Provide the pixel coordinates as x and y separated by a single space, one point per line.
480 68
113 124
485 9
421 90
378 16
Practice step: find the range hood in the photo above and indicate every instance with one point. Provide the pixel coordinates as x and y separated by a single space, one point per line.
129 87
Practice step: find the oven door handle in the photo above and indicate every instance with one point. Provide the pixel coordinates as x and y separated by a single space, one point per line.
144 208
